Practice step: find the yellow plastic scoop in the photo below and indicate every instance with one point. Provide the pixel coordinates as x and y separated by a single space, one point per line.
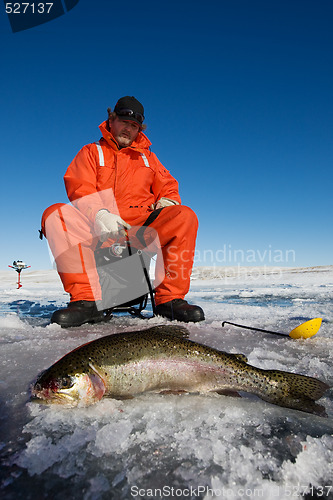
306 330
303 331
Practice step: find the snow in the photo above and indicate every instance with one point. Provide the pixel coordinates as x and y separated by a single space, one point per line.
168 446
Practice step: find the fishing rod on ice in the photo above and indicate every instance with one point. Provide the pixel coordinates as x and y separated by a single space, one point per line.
303 331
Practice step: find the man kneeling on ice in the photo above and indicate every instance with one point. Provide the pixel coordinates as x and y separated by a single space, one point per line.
115 184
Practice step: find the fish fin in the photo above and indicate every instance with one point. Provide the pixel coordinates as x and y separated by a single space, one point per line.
178 331
296 391
306 390
302 404
169 391
304 386
241 357
97 382
97 385
228 392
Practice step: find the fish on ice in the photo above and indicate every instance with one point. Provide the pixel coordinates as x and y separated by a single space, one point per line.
163 359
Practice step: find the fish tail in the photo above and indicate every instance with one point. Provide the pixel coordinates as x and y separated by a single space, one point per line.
294 391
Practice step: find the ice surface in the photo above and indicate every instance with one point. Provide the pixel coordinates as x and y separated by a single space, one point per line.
168 446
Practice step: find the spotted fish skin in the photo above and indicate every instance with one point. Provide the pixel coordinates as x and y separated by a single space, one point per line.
161 359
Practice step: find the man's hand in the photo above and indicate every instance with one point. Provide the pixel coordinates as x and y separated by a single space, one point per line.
164 202
109 225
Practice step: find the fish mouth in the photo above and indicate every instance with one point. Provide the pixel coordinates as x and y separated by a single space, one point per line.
47 397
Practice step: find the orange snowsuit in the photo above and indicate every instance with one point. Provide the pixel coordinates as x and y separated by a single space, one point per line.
127 182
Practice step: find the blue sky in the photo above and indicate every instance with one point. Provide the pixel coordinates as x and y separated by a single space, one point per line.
238 103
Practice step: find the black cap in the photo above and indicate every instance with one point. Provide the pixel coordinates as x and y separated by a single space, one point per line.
128 104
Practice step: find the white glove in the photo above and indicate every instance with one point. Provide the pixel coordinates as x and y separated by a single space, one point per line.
109 225
164 202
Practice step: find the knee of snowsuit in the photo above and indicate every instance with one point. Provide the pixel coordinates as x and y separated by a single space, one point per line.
72 242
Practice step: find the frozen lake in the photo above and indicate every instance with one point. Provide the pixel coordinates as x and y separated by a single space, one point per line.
168 446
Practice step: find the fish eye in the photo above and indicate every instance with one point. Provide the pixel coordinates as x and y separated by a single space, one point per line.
66 382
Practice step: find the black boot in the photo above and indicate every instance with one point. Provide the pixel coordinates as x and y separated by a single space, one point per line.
77 313
179 309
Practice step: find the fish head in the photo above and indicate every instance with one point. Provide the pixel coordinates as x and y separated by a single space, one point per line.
79 388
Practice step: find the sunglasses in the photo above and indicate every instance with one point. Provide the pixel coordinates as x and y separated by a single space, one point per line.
128 113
